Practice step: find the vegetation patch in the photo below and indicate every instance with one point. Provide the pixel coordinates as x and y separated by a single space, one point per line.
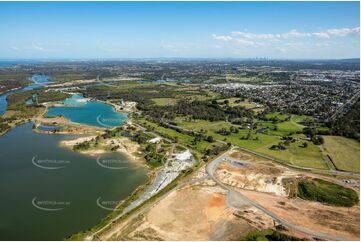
327 193
164 101
269 235
344 152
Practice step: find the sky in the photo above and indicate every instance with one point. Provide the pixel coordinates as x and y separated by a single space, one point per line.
83 30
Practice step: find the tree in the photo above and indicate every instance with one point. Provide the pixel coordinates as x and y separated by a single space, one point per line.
210 139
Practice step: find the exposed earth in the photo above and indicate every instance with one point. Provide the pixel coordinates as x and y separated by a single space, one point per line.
200 209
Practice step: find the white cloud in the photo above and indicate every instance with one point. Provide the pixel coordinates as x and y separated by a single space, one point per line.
222 37
37 46
343 31
292 43
251 39
247 35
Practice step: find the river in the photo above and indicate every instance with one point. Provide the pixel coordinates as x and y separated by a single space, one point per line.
38 81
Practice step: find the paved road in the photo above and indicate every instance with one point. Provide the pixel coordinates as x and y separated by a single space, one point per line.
212 166
340 109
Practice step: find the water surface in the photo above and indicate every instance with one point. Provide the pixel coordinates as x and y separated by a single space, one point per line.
8 63
80 110
74 188
38 81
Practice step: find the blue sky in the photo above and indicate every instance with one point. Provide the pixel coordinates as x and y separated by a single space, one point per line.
290 30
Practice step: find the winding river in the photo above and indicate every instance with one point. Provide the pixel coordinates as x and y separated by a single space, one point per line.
38 81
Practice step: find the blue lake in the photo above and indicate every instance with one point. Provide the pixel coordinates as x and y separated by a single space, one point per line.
80 110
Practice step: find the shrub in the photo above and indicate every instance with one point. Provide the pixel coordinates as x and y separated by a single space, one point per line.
327 192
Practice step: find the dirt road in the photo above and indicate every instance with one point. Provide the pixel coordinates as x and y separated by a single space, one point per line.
238 198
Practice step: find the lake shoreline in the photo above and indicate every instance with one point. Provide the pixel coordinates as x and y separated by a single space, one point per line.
126 147
124 180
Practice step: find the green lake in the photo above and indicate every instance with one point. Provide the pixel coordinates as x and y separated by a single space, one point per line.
49 192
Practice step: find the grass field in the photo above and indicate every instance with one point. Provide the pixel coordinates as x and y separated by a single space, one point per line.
164 101
170 133
289 126
284 127
344 152
297 155
233 102
277 115
327 192
310 156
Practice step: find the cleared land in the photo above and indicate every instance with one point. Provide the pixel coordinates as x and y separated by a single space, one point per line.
163 101
202 210
344 152
272 186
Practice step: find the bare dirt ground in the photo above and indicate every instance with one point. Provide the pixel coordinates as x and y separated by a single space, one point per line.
339 221
71 143
190 213
266 183
202 210
256 174
260 177
125 146
54 120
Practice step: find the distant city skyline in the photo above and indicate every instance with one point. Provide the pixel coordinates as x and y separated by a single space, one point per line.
116 30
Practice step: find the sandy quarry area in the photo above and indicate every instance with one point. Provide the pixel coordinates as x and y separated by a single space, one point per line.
190 213
256 176
198 211
340 221
265 183
126 146
202 210
71 143
53 120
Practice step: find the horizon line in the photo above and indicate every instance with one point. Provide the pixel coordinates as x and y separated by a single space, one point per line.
175 58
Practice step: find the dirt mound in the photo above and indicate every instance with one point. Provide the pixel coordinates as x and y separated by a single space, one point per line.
216 201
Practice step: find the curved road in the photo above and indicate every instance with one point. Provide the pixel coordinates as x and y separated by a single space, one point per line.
212 166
